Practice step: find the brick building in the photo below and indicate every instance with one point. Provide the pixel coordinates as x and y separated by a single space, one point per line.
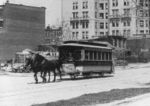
21 27
52 38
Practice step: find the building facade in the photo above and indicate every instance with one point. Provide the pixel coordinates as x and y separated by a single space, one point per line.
52 39
129 18
84 19
21 27
53 35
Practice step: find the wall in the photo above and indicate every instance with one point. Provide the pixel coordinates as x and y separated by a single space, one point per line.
23 28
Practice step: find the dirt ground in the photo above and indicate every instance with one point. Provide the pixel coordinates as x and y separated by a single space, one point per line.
18 89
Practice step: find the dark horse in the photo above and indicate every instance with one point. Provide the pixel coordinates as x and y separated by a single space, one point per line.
38 63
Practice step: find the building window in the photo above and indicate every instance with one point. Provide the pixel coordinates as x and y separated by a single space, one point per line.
73 34
85 14
141 13
106 25
147 22
101 15
101 33
128 32
141 23
115 3
106 15
146 3
147 31
113 32
95 14
75 25
141 3
141 31
85 4
75 14
77 34
75 5
115 12
106 6
96 25
83 35
117 32
1 24
95 5
115 23
85 24
126 12
146 13
101 25
126 23
126 2
101 5
87 36
124 33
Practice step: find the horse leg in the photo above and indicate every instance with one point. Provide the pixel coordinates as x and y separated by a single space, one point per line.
54 75
59 73
42 76
35 77
49 75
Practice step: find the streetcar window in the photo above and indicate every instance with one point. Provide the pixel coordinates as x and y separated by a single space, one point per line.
110 56
107 58
91 55
103 55
95 55
86 55
99 56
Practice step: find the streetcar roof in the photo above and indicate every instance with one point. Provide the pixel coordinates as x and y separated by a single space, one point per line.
83 45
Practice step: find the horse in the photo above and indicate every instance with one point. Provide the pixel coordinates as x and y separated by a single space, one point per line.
38 63
51 65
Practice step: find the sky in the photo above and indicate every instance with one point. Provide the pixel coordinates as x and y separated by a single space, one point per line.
53 8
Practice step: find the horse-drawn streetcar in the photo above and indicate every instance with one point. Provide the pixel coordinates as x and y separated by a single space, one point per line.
75 59
86 58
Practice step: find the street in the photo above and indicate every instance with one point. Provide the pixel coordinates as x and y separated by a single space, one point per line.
19 89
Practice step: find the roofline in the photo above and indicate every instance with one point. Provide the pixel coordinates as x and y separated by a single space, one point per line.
24 5
84 45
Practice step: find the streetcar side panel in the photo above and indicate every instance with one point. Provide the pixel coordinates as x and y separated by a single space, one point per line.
94 69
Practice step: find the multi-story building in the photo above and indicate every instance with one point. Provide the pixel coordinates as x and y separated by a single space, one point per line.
129 18
52 39
53 35
88 19
21 27
84 19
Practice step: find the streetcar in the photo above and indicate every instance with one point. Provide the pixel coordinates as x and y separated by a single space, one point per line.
86 58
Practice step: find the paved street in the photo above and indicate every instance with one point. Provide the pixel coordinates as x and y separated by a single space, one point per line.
18 89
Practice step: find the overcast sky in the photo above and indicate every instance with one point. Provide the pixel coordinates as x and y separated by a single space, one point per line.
53 8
